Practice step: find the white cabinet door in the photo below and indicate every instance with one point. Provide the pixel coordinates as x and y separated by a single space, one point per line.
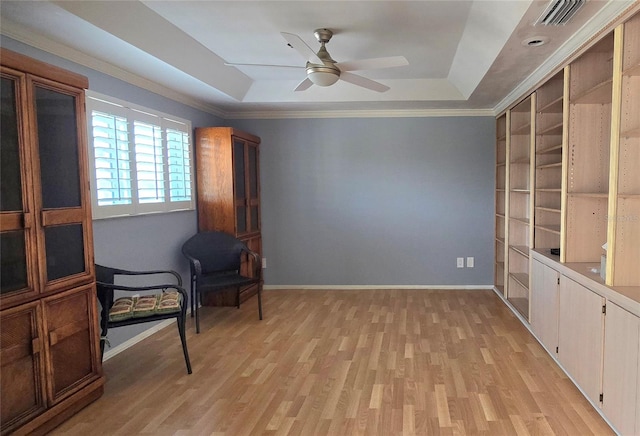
620 371
544 304
580 335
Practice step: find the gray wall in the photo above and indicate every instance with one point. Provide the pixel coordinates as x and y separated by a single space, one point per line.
382 201
142 242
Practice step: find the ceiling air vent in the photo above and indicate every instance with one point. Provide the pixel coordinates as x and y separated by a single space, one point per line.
559 12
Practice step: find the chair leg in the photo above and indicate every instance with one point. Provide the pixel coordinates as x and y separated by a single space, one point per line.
193 302
183 339
197 312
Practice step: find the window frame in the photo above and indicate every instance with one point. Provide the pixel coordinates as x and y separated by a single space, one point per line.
136 113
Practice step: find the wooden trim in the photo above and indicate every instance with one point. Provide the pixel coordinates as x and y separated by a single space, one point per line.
614 151
62 216
565 164
32 66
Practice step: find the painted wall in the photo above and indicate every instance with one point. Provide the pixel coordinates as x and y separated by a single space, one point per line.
142 242
384 201
380 201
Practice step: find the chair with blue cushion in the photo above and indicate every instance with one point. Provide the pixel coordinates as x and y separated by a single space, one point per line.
139 304
215 259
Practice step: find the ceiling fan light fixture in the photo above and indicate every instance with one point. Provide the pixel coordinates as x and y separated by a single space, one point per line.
323 75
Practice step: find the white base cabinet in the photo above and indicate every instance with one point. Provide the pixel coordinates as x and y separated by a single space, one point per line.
545 294
596 330
621 375
580 333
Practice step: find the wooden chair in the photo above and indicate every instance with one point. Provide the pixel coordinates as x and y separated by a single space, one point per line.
215 259
170 302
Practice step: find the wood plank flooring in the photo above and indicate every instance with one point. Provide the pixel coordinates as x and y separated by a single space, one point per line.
352 362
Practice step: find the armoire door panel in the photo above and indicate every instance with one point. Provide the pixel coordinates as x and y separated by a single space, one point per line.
21 365
70 331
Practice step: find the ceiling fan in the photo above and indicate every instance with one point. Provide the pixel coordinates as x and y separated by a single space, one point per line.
322 70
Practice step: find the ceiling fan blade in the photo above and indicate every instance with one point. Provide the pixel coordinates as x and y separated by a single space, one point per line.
373 64
301 47
363 81
305 84
232 64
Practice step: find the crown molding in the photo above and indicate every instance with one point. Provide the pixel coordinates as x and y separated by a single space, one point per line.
587 33
37 40
392 113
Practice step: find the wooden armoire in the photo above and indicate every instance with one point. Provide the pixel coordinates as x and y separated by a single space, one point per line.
228 184
49 356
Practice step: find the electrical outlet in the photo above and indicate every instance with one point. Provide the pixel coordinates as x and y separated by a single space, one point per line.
460 262
470 262
264 263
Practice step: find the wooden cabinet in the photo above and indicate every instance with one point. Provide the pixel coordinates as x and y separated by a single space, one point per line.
580 335
549 144
520 230
621 369
49 362
624 202
228 185
545 294
501 202
590 87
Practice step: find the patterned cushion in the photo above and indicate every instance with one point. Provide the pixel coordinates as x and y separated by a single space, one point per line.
126 307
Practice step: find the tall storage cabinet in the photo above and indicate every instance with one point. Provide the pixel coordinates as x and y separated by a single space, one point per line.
228 184
49 356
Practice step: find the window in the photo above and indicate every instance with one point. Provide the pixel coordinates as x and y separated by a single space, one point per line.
141 161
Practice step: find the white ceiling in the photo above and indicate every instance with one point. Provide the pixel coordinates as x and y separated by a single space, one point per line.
463 55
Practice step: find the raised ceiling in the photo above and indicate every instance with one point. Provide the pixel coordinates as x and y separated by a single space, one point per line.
463 55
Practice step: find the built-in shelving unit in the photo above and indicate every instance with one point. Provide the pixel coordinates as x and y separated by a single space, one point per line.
577 188
501 202
520 230
590 96
624 203
549 144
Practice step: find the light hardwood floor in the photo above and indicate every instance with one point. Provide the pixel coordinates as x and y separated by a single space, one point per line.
371 362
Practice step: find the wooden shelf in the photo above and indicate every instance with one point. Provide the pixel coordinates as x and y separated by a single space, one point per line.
555 129
548 209
521 220
551 165
554 106
551 228
631 133
520 249
523 161
548 190
521 278
521 305
501 215
500 240
622 195
501 164
521 191
522 130
633 70
598 94
502 138
589 194
554 149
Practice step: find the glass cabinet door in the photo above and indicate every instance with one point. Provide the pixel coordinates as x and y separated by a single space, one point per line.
240 185
17 273
254 188
63 239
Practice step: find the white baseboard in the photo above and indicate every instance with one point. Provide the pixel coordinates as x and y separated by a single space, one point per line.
372 287
137 338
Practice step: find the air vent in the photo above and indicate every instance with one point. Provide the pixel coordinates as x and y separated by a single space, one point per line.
559 12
